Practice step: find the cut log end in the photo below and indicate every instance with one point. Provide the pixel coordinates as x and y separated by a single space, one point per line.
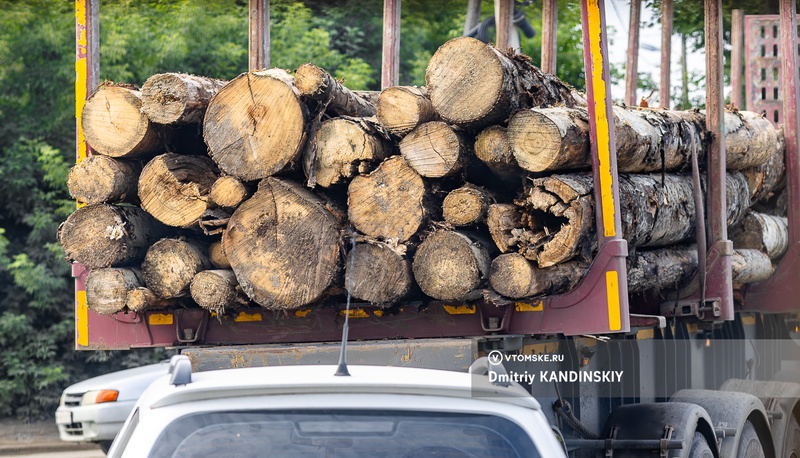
514 276
142 299
310 80
115 126
493 148
450 265
98 179
401 109
107 289
215 290
466 205
228 192
170 265
548 139
345 148
434 150
378 274
217 257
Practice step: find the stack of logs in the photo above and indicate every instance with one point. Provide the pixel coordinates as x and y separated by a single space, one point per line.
289 190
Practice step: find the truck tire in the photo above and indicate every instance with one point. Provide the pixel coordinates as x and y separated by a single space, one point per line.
793 439
749 443
700 447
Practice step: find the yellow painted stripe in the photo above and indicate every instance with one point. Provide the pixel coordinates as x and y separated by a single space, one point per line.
81 75
81 320
602 123
459 309
160 319
244 316
645 334
612 292
378 313
302 313
356 313
749 320
523 307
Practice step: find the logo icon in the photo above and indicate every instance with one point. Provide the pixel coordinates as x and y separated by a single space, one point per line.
495 357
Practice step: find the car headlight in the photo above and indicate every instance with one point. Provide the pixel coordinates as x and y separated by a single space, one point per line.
98 396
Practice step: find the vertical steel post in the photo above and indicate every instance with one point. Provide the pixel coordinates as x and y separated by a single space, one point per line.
87 77
549 35
666 53
473 15
632 64
791 108
258 42
390 67
504 12
604 157
737 50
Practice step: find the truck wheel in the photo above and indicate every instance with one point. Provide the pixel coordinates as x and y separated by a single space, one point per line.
793 444
700 448
749 444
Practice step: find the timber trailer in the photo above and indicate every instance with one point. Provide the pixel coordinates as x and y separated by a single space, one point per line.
713 372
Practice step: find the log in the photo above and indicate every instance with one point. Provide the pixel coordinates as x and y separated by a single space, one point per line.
214 221
317 84
98 179
170 265
107 289
217 257
750 266
493 148
378 273
750 139
663 269
768 179
229 192
473 85
400 109
103 235
544 139
255 126
392 202
216 290
759 231
175 188
452 266
142 299
467 205
502 220
655 211
434 150
178 98
284 245
114 125
346 147
513 276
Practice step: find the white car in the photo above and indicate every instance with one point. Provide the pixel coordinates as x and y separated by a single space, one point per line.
95 409
307 411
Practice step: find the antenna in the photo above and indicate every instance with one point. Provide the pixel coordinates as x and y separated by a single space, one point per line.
341 370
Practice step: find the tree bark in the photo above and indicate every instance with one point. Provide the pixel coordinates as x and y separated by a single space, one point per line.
473 85
256 125
502 220
513 276
759 231
175 188
107 289
217 257
229 192
284 245
378 273
170 265
346 147
750 140
178 98
392 202
467 205
317 84
115 126
768 179
750 266
216 290
434 150
103 235
401 109
654 212
452 266
142 299
98 179
493 148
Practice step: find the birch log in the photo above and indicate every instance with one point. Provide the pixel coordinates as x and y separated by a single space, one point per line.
178 98
762 232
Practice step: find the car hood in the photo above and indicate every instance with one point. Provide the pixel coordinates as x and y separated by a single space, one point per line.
130 382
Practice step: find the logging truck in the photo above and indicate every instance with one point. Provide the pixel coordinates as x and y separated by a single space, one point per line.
634 268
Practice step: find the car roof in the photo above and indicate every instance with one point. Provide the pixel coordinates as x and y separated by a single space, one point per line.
320 379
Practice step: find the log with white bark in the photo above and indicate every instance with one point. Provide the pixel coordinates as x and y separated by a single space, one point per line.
467 205
114 124
170 265
655 211
175 188
434 149
101 178
378 273
391 203
763 232
216 290
400 109
107 289
452 266
346 147
317 84
473 84
178 98
103 235
284 245
256 125
768 179
229 191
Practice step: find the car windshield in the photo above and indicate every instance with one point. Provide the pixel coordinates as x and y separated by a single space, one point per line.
343 433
